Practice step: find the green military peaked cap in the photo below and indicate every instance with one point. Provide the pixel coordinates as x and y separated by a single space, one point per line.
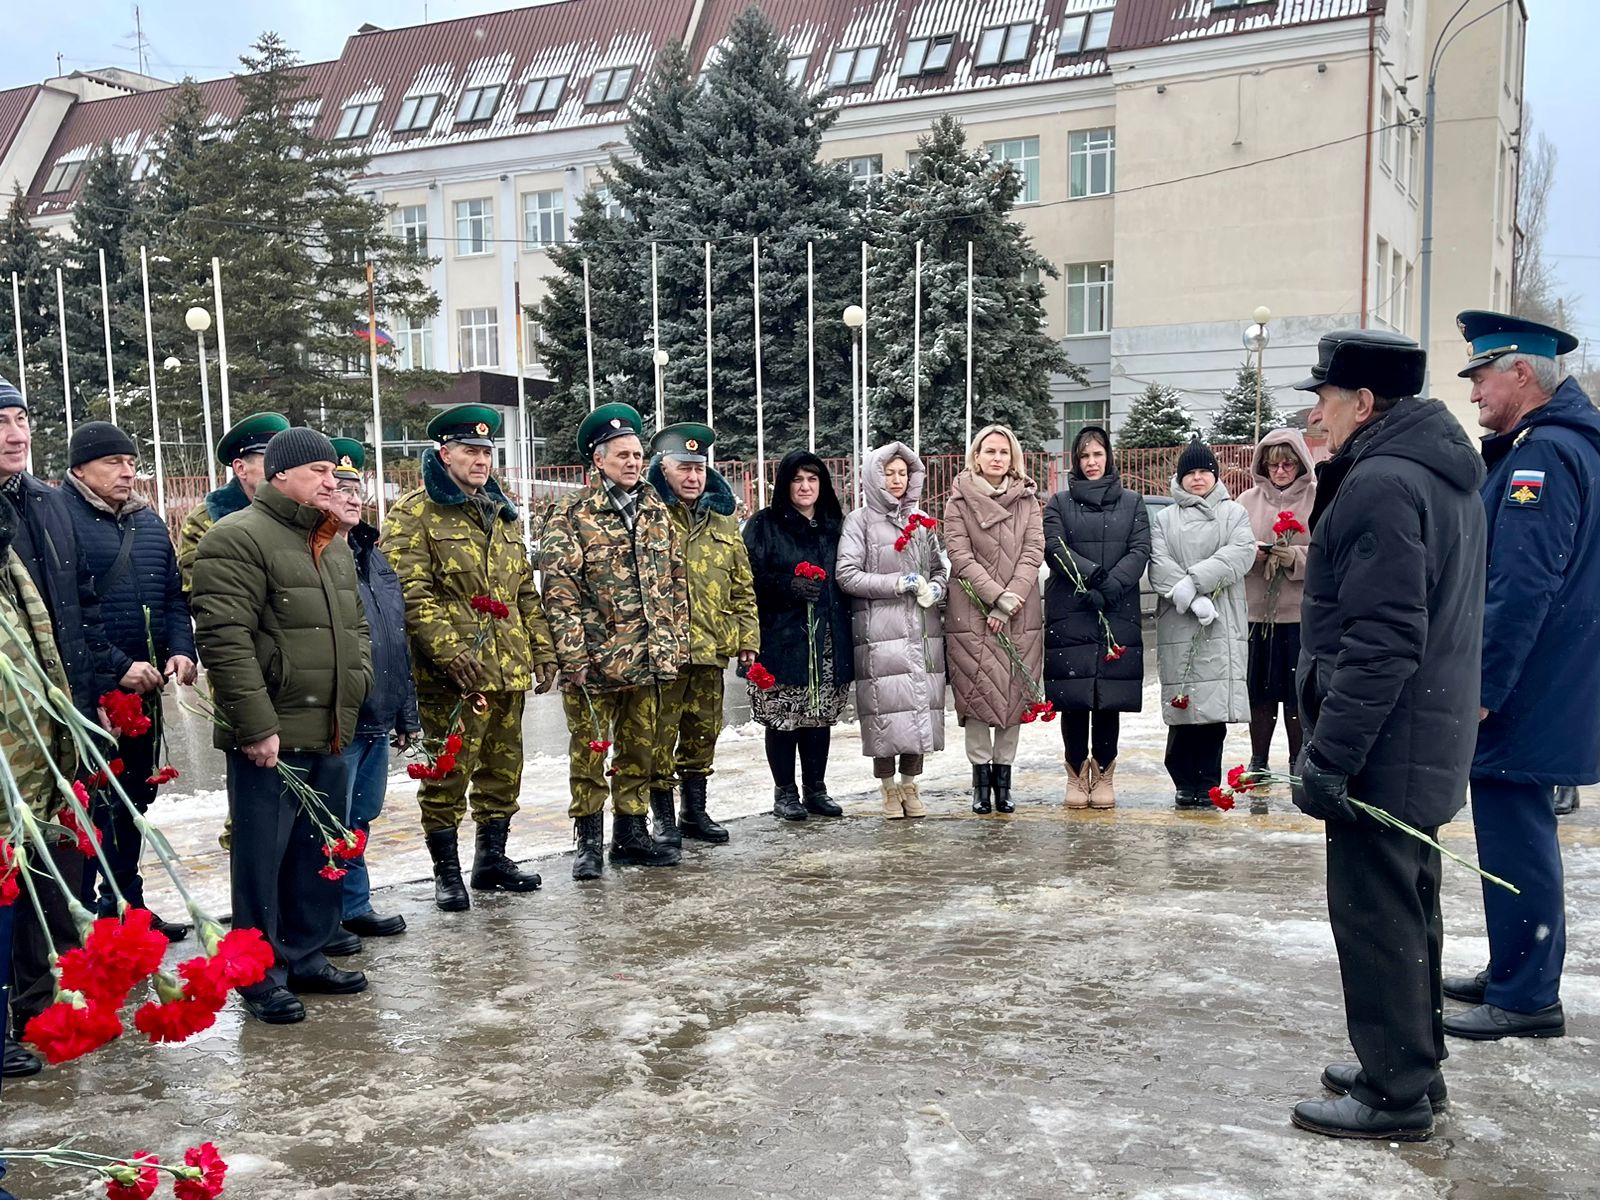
469 424
352 457
607 422
250 436
687 442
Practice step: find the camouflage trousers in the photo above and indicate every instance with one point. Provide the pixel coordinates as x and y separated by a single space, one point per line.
627 719
687 725
490 758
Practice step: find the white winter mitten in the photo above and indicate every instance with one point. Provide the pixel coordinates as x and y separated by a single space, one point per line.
1183 594
926 596
908 583
1204 611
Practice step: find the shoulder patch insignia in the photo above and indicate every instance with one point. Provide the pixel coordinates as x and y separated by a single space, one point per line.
1526 488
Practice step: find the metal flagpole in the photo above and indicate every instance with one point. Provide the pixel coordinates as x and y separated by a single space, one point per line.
222 365
372 360
105 317
916 357
761 433
150 359
655 331
588 333
205 407
969 344
865 436
525 457
811 346
66 375
22 358
710 404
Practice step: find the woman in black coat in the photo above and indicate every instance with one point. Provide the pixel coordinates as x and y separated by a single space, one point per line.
1097 545
801 525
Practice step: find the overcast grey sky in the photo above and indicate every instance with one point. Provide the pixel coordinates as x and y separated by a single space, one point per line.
206 39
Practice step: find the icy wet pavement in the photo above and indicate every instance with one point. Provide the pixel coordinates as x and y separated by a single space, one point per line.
1120 1005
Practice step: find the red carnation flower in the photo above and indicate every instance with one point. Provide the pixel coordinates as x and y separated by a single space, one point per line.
164 775
417 770
332 872
760 677
209 1170
926 521
128 948
1240 779
901 542
1221 798
1180 701
444 764
86 838
174 1021
9 889
452 744
64 1031
136 1180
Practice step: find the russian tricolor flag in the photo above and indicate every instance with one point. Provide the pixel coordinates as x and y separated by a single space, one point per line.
363 331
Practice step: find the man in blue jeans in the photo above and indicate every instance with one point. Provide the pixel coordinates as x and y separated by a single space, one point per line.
392 704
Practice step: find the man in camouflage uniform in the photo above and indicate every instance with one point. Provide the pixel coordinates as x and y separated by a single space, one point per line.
722 624
456 537
615 593
241 448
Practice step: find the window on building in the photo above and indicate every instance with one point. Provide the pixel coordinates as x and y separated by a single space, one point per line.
609 204
417 112
1093 162
610 85
1380 279
1030 277
854 66
928 56
474 227
1405 301
532 342
1413 162
411 225
1499 285
1004 44
480 338
913 157
1397 279
1085 31
1088 298
413 344
1385 119
1396 133
795 68
1077 414
1499 191
866 170
1508 67
64 174
544 219
478 104
356 120
1023 154
542 95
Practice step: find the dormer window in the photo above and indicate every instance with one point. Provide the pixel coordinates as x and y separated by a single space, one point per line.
417 112
927 56
356 120
610 85
542 95
64 174
1001 44
854 66
478 104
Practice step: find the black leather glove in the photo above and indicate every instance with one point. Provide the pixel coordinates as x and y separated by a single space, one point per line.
1112 589
809 590
1096 577
1322 792
1097 599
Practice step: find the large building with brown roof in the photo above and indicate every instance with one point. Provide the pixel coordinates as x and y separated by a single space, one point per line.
1185 160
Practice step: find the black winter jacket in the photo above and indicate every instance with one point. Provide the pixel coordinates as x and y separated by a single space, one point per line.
1103 529
779 539
1392 622
391 705
149 580
48 546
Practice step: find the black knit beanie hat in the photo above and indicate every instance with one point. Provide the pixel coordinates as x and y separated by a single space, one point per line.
1196 456
97 439
295 448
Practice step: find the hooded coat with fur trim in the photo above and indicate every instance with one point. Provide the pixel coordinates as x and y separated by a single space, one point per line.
722 597
1264 502
899 675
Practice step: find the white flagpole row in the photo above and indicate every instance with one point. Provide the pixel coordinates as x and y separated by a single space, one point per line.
866 435
969 344
105 318
655 332
588 332
222 360
372 362
811 348
150 362
22 355
525 454
761 435
710 400
205 406
66 373
916 357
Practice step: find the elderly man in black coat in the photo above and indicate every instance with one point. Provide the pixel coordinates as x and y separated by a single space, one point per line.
1391 631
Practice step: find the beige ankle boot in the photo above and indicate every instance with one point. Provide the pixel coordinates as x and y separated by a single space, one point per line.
911 799
1078 786
892 809
1101 793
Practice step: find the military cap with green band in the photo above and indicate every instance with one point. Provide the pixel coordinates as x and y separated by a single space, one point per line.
250 436
469 424
607 422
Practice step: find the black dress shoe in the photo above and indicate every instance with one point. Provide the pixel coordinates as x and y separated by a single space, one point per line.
20 1062
1339 1078
330 981
280 1006
173 931
370 924
1468 989
1566 801
1487 1023
342 945
1347 1117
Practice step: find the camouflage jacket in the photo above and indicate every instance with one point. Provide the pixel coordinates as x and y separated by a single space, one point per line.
447 547
722 596
229 498
617 599
27 640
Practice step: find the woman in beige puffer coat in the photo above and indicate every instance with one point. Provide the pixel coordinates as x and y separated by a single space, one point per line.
994 532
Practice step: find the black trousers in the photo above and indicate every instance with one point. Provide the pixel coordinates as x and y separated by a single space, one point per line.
275 857
1075 736
118 838
812 743
1194 756
33 987
1383 903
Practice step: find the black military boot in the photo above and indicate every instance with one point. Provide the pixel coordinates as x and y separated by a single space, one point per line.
491 869
818 801
589 859
449 893
666 830
631 844
1566 801
693 820
982 787
1000 776
786 803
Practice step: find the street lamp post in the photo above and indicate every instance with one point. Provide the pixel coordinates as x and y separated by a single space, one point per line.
856 318
1255 340
199 320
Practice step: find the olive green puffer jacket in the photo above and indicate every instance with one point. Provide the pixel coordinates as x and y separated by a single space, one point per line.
280 627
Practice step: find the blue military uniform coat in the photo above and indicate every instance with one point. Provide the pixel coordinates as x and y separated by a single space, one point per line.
1541 624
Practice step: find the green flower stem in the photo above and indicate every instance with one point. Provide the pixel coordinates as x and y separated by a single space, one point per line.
103 1165
1018 667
